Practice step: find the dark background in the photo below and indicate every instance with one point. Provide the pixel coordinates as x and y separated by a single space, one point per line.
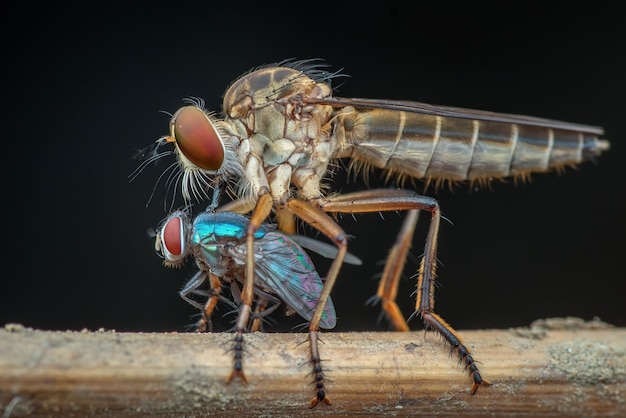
83 89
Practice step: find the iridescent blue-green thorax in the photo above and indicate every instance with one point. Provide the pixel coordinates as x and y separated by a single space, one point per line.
211 231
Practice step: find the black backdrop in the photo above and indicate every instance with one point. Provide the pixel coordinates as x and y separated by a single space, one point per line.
82 91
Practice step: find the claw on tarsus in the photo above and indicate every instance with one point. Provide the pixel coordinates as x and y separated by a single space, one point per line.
478 382
237 373
320 397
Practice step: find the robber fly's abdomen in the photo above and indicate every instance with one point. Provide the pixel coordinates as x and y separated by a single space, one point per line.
437 147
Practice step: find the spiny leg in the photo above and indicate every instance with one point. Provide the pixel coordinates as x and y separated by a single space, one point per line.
321 221
434 321
261 212
240 327
392 200
425 303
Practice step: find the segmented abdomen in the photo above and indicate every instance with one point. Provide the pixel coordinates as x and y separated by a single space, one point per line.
436 147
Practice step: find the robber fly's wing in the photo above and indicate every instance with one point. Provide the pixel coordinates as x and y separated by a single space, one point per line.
324 249
284 267
455 112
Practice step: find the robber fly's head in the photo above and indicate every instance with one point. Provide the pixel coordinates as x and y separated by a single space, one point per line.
205 150
172 237
198 139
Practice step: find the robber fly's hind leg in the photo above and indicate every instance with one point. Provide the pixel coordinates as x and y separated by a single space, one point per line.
396 260
425 303
393 200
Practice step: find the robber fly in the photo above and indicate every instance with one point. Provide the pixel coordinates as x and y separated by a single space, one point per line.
280 131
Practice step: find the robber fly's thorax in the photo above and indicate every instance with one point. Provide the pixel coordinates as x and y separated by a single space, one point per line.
283 141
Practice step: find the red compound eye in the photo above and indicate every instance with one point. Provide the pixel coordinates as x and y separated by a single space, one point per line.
197 138
173 238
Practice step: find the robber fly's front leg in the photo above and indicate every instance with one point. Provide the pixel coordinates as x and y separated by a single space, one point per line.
319 220
260 213
394 200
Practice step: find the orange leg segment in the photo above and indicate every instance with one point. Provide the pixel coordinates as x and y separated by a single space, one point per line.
396 260
315 214
204 324
325 224
394 200
261 212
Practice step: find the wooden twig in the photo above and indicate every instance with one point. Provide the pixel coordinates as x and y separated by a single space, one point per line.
541 371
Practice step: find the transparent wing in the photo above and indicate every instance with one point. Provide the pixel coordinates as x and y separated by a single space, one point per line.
324 249
285 268
455 112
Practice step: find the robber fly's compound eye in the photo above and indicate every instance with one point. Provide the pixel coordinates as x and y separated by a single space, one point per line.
171 239
197 138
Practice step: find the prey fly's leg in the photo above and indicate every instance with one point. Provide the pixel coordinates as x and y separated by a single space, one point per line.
205 321
257 316
394 200
326 225
214 295
388 285
263 309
